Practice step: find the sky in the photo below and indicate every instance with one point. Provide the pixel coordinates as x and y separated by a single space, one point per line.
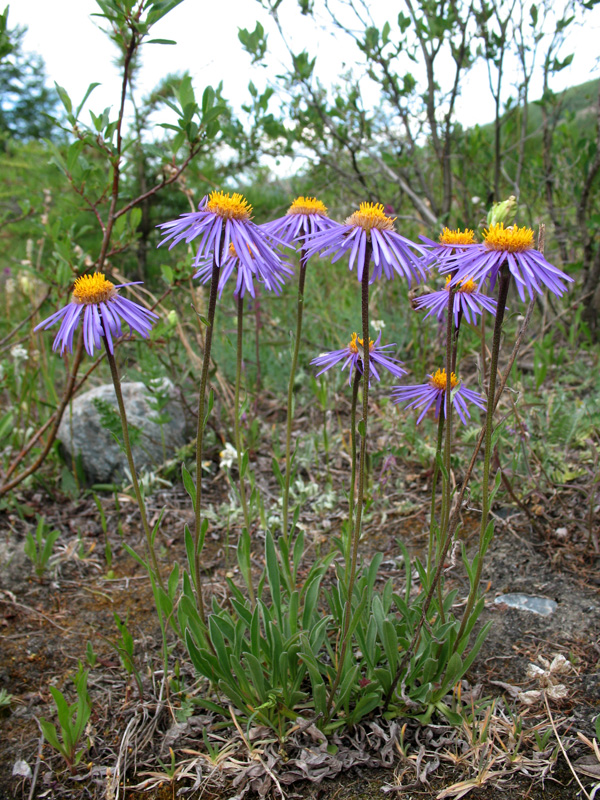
77 53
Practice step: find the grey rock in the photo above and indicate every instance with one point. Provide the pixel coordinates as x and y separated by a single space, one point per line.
527 602
103 461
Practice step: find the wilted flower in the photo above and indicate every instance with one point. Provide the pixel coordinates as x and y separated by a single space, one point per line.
424 395
102 308
352 356
391 252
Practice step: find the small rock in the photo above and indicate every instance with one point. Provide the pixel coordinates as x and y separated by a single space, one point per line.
21 769
525 602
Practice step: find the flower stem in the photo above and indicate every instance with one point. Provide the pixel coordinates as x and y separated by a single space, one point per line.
127 444
351 568
238 434
436 472
355 385
212 304
290 397
446 482
485 489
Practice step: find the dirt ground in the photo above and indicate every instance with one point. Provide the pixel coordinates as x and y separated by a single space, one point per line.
45 626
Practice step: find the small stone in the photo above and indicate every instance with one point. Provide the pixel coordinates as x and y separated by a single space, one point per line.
21 769
525 602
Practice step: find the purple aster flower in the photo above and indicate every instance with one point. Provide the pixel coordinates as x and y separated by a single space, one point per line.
514 247
352 356
443 252
103 309
272 276
391 251
467 300
224 219
305 217
434 392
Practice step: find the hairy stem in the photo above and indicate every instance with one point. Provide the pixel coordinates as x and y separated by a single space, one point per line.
212 305
351 568
238 433
487 453
114 372
290 397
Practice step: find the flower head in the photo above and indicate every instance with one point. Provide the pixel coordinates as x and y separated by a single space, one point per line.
98 300
352 356
223 219
391 252
424 395
468 301
273 276
305 217
444 251
512 247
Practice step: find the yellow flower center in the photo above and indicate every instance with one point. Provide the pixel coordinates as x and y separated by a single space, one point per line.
355 345
467 286
511 240
369 216
439 380
230 206
90 289
307 206
457 237
233 251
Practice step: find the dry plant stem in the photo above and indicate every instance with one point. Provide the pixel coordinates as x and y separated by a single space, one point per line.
455 515
290 397
67 395
564 752
238 435
16 329
212 305
128 56
355 532
487 454
114 372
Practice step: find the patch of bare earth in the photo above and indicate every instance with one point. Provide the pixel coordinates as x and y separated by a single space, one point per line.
136 737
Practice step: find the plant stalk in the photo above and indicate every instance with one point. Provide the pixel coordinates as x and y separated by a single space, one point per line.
212 304
129 454
503 287
290 397
351 569
237 429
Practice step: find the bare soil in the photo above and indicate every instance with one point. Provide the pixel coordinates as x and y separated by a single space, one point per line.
45 625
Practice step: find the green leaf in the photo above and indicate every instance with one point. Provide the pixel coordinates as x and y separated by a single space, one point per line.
135 556
64 97
160 41
49 731
272 566
189 485
88 92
